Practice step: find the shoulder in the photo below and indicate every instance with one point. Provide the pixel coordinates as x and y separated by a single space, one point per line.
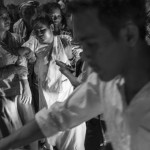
17 37
19 22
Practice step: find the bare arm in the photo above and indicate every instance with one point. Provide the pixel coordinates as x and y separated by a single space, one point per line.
74 81
64 70
23 136
5 72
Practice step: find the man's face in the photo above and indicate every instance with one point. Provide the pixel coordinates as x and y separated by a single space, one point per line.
44 34
104 53
4 21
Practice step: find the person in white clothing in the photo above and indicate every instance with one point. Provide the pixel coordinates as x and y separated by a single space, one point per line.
53 85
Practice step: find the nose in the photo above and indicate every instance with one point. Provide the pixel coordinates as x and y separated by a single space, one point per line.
40 34
55 18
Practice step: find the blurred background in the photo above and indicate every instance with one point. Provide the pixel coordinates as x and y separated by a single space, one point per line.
20 1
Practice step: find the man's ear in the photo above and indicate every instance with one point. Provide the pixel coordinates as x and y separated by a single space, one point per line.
130 34
52 27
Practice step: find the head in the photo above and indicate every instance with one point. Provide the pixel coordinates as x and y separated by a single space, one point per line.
27 10
13 13
110 31
4 20
54 11
43 29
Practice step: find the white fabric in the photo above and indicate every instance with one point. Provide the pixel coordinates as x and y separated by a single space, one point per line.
127 129
54 86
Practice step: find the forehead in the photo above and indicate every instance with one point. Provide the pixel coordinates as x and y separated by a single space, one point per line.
40 25
56 11
87 25
27 9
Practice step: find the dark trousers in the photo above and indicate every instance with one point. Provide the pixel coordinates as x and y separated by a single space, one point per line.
94 135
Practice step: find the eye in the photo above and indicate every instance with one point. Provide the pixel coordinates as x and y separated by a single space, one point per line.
42 30
56 16
39 31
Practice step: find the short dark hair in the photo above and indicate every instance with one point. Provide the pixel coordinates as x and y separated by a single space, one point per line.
3 8
44 19
113 13
50 6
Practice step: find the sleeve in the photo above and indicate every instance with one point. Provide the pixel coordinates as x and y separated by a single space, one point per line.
82 105
5 72
138 117
32 43
18 28
18 40
7 58
22 62
15 28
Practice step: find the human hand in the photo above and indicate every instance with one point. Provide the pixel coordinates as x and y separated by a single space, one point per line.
26 94
26 52
63 68
61 64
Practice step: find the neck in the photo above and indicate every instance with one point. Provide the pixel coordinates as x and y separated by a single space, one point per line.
138 74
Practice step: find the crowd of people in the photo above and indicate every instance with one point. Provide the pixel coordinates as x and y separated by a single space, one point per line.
75 75
42 63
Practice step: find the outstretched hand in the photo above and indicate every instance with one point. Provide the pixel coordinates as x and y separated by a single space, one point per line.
63 68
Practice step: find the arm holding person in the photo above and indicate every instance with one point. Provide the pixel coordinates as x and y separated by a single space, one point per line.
64 69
